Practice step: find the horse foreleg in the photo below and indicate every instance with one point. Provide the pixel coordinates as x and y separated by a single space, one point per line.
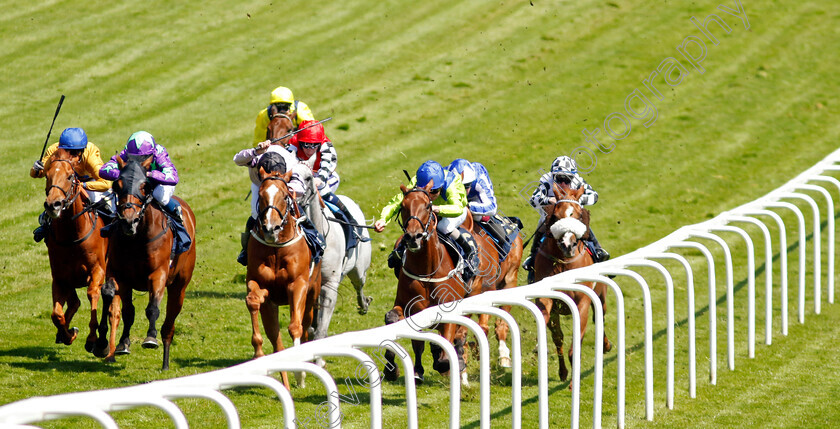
557 336
128 314
114 319
583 307
298 292
358 276
392 370
254 301
326 306
59 295
174 302
93 295
419 347
156 286
107 293
269 313
600 289
502 329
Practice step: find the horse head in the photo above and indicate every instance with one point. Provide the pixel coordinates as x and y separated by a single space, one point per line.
132 191
279 124
274 205
63 185
417 207
568 221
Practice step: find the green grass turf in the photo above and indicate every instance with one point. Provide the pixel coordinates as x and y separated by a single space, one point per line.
508 83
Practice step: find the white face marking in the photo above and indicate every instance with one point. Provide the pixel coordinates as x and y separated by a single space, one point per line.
570 211
271 193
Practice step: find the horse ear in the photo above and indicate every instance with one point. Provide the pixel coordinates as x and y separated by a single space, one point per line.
429 185
556 189
120 162
579 192
262 173
147 163
288 176
403 189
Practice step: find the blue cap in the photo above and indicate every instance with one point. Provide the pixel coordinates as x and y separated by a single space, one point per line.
73 138
428 172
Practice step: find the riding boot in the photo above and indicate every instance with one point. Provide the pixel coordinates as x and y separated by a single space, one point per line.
334 200
41 231
468 252
395 257
173 207
496 230
599 254
243 239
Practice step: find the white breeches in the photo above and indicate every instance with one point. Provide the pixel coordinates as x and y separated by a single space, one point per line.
448 224
163 193
95 196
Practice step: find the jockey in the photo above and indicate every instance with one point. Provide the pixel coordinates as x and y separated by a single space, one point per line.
162 173
251 158
75 141
448 198
285 102
314 150
480 195
563 170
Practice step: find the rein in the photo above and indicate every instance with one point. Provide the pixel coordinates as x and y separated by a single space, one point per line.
428 222
74 187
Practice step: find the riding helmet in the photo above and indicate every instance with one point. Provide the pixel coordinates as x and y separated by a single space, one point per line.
140 143
430 171
72 138
463 167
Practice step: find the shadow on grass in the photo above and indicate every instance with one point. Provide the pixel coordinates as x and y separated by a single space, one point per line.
32 360
238 294
207 364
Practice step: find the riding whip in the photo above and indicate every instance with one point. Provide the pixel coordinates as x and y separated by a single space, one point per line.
57 109
295 132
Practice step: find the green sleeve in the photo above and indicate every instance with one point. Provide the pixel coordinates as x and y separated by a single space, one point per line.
393 206
456 199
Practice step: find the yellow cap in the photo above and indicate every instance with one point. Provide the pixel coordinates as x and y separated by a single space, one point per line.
282 95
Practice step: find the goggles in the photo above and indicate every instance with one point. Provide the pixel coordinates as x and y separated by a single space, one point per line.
307 145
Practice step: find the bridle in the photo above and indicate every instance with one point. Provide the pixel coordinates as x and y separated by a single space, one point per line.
284 214
74 192
425 234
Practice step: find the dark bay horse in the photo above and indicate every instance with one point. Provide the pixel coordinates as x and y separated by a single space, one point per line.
279 124
77 252
279 268
140 258
562 250
428 277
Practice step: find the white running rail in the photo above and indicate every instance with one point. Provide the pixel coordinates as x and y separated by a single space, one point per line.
97 404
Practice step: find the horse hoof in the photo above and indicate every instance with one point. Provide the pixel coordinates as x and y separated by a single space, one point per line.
364 308
90 346
441 366
504 362
321 362
391 375
110 359
418 379
122 349
150 343
465 381
607 345
100 352
563 373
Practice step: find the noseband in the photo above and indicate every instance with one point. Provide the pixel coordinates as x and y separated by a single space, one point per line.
69 199
428 221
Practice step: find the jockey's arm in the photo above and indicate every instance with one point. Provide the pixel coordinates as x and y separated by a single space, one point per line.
455 202
93 163
485 203
589 196
166 174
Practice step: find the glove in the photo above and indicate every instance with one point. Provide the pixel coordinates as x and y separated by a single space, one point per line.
319 183
38 165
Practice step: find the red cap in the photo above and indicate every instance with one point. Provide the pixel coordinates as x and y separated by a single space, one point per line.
314 134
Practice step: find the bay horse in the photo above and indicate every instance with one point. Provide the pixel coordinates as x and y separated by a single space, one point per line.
76 250
279 268
337 261
140 258
430 277
562 250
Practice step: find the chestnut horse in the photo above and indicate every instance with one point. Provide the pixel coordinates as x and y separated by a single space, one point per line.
140 258
77 252
430 277
562 250
279 268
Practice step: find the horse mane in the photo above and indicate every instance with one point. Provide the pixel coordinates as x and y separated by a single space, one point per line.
584 218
